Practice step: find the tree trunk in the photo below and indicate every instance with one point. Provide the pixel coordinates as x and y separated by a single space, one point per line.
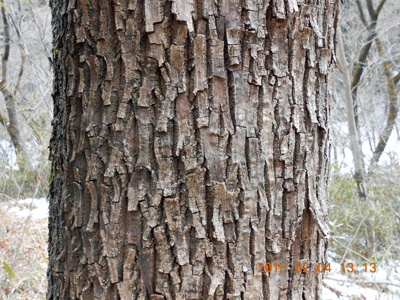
355 145
12 125
190 144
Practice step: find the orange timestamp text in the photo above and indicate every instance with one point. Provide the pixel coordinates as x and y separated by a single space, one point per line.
321 267
298 267
350 268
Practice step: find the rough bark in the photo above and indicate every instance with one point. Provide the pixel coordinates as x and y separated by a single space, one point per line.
190 143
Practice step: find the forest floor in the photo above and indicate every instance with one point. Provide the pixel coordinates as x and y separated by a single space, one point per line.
23 249
23 258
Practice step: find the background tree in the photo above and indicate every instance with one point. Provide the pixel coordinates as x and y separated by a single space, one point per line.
190 144
24 36
11 123
25 97
370 41
366 101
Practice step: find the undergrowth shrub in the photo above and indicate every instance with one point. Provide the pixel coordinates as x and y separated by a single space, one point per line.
23 179
366 229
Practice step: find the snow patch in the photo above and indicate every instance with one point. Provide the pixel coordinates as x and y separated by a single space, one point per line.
36 208
361 284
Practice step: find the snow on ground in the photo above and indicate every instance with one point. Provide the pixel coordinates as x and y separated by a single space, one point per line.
36 208
363 285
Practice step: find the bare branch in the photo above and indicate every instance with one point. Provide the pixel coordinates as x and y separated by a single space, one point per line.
362 16
364 52
12 124
362 281
393 107
396 78
371 11
353 133
3 120
378 10
4 59
361 60
359 69
21 70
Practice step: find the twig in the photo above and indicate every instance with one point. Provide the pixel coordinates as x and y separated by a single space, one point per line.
21 70
396 78
352 240
337 292
352 251
360 255
361 281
